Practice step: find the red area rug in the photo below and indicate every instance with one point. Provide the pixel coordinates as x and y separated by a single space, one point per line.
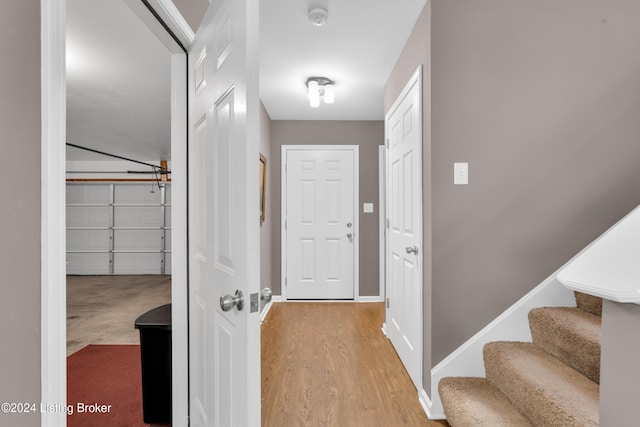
104 387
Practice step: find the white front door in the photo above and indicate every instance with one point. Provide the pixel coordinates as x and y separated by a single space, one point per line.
403 127
224 346
320 211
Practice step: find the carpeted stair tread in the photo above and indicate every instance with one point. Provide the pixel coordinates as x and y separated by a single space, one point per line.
547 391
589 303
474 402
570 334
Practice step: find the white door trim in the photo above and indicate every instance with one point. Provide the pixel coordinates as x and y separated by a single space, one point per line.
169 13
382 215
414 80
53 216
53 351
356 219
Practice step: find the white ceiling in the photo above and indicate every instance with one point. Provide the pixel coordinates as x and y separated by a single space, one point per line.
356 48
118 71
118 77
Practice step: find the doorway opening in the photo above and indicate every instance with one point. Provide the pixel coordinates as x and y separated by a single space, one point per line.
54 251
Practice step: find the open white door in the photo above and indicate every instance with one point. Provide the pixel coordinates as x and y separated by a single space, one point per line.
403 325
224 344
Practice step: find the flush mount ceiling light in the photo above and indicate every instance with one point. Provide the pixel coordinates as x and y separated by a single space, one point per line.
320 87
318 16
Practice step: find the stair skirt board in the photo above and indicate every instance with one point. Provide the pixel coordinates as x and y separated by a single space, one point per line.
511 325
426 404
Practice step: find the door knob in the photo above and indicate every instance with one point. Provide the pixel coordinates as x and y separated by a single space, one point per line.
265 295
349 225
227 302
350 235
412 249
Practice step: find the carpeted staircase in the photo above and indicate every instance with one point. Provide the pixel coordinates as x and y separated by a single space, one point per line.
553 381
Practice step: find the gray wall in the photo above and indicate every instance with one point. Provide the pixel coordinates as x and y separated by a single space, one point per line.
192 11
266 257
417 53
368 135
20 211
542 99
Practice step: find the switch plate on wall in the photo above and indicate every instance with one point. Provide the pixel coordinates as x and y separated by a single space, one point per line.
367 207
461 173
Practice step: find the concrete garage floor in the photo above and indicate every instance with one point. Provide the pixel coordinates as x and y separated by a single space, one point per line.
103 309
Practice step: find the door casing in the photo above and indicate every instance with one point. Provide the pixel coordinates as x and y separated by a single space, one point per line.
356 219
53 246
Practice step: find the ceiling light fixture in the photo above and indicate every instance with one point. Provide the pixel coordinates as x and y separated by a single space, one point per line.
318 16
320 87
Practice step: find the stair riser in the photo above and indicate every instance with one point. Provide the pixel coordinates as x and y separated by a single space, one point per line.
589 303
474 402
540 408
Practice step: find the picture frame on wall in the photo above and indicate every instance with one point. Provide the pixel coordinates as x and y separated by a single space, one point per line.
263 186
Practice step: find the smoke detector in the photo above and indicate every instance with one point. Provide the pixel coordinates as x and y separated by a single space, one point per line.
318 16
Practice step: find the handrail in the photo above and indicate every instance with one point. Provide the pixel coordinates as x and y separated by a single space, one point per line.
610 267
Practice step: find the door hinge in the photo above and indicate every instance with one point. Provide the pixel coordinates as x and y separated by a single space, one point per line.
386 144
387 302
285 224
285 281
285 167
388 223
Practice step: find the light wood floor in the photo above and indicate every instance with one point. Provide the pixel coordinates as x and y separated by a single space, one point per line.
329 364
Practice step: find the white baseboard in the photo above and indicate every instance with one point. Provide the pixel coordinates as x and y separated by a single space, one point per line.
364 299
376 298
512 325
425 402
265 310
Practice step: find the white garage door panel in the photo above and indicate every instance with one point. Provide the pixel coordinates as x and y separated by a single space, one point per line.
88 194
88 263
167 262
167 217
136 263
167 238
88 216
137 216
137 240
93 240
137 194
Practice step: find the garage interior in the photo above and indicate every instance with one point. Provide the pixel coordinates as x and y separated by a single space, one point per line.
118 199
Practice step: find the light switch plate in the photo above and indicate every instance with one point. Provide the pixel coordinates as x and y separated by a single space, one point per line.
461 173
367 207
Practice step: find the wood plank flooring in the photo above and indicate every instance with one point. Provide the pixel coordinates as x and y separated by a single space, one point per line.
329 364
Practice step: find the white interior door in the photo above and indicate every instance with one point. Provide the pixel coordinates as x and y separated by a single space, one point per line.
403 324
321 222
224 346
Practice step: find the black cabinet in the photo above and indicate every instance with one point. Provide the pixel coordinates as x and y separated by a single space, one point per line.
155 350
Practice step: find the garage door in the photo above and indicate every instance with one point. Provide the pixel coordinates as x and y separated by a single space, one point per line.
118 228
